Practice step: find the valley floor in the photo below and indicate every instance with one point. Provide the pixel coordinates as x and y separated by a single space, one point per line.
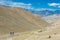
52 32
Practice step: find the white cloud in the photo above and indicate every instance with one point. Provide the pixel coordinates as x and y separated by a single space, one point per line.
24 5
54 4
59 6
21 5
16 4
41 9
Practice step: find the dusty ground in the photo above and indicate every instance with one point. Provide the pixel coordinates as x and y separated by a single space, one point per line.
50 33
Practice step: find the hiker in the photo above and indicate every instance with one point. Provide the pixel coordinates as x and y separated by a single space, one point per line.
12 33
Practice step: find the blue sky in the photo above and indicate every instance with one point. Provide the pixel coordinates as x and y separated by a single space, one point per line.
32 4
39 3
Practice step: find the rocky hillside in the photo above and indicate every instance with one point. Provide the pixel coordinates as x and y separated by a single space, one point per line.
19 20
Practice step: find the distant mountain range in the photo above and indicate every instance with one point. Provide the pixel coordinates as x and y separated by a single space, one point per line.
48 15
46 12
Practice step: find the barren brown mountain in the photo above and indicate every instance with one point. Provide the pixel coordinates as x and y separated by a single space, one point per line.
19 20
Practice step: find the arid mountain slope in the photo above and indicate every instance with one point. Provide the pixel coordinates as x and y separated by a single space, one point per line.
18 20
52 33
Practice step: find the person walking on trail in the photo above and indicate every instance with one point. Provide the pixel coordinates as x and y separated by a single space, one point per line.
12 33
